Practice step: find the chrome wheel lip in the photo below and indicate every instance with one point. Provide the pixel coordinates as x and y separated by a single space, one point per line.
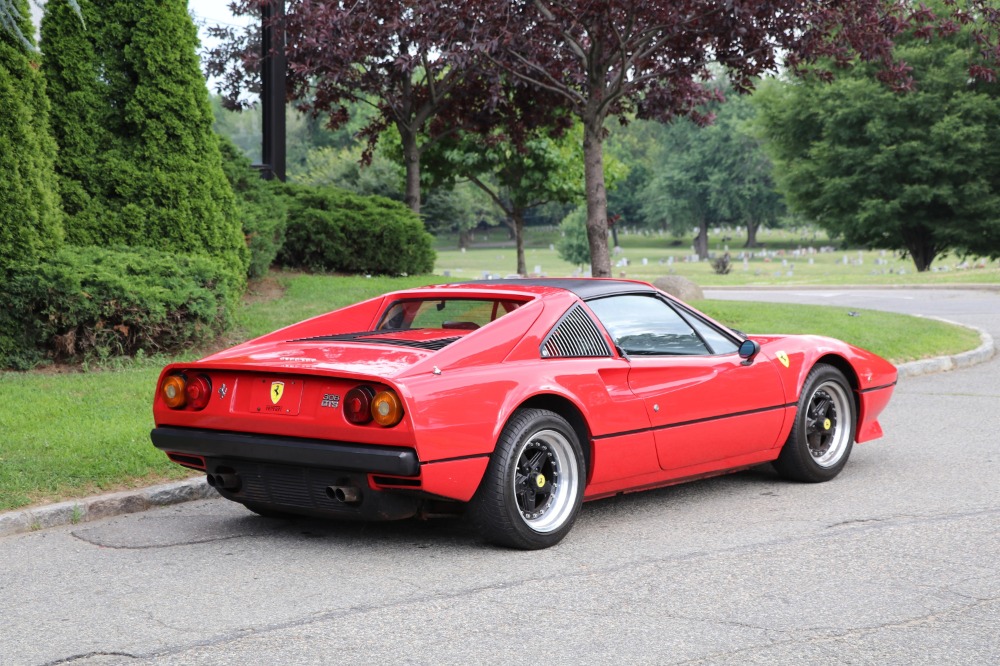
836 442
565 481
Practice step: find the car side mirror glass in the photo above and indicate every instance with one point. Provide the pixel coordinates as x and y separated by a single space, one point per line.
749 350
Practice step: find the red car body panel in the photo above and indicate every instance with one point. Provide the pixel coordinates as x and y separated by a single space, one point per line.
644 421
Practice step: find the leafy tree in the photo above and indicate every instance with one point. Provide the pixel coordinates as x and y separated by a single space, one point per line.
718 174
517 178
637 143
31 226
742 187
391 55
918 172
616 57
343 167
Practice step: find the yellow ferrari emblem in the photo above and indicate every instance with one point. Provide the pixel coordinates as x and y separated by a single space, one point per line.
783 357
827 424
277 388
540 480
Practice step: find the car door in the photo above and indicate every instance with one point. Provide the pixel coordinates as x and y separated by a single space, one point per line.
704 404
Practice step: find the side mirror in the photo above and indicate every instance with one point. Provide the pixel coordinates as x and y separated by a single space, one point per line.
749 350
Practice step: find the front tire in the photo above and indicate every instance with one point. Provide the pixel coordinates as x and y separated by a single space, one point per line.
533 487
823 433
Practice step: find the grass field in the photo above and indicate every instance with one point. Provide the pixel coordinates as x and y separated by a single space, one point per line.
802 257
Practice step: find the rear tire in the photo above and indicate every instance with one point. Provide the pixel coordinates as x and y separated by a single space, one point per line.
823 433
533 487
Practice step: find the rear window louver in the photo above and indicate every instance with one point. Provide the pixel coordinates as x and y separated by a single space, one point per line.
430 345
575 336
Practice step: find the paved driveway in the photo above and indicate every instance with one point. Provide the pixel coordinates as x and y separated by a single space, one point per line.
897 561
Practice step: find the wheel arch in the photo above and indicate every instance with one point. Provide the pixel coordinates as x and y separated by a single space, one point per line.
568 410
846 369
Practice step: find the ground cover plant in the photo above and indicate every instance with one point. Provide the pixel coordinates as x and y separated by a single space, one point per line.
74 433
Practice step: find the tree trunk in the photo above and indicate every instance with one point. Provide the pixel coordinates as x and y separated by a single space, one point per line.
752 228
701 241
518 217
411 155
919 241
463 239
597 198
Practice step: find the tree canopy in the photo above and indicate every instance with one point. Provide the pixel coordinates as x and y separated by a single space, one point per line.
918 171
614 57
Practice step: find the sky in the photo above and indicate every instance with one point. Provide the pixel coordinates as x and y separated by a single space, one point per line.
212 12
205 12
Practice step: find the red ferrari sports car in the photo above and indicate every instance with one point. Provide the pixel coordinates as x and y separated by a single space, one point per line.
513 401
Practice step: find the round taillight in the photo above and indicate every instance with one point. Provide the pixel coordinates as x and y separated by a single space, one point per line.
199 390
358 404
387 410
173 391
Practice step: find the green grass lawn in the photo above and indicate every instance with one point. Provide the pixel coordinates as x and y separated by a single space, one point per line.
71 434
786 259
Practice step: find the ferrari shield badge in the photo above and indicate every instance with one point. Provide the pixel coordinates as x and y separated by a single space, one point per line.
782 356
277 388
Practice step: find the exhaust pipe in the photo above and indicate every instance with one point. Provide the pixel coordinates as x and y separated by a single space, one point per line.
224 481
345 494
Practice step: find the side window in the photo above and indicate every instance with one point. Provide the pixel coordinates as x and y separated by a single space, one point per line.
646 325
720 344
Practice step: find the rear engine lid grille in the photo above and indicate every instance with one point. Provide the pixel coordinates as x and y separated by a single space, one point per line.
375 337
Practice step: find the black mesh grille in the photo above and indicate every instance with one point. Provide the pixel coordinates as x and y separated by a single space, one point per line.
431 345
575 336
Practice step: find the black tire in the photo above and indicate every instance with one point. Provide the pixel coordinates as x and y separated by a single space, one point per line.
823 433
533 487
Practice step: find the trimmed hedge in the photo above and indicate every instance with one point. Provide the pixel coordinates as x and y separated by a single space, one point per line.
334 230
91 302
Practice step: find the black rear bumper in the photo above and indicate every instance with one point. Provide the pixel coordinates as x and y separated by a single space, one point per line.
391 460
296 475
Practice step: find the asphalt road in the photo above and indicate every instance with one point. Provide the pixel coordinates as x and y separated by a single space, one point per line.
897 561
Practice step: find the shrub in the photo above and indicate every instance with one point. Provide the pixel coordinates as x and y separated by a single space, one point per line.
95 302
258 206
574 246
330 229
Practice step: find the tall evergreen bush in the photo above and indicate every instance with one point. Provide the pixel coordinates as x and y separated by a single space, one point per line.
30 217
138 150
71 67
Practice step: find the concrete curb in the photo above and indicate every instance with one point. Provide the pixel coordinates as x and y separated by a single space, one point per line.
132 501
981 354
104 506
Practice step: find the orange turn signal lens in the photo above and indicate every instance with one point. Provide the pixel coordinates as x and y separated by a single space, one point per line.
173 391
387 409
